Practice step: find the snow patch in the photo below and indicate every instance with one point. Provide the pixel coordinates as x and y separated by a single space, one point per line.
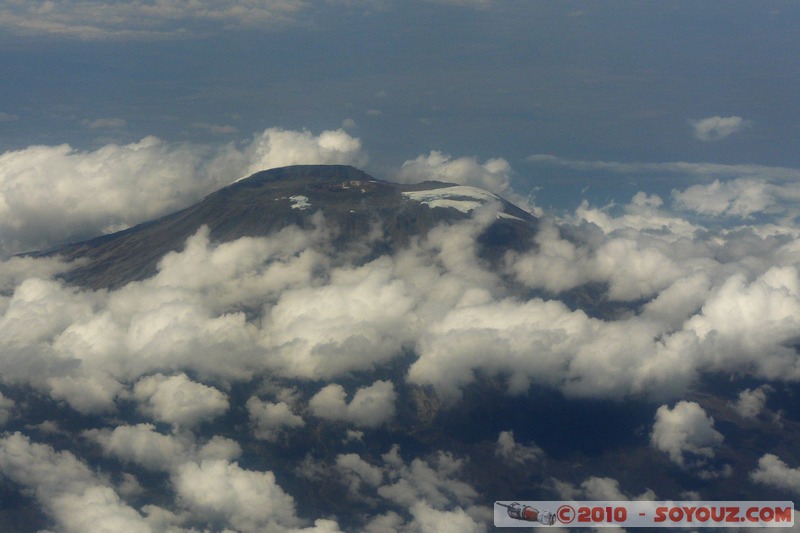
509 217
461 197
300 202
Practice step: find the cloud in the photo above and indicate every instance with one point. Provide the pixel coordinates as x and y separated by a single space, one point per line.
508 449
106 123
390 521
117 186
718 128
143 445
751 403
773 471
269 419
752 325
633 268
685 433
178 400
430 491
434 482
743 197
494 175
704 170
573 352
357 473
207 485
279 148
85 347
96 192
311 315
104 20
358 320
722 190
679 299
248 500
430 520
70 492
676 300
244 272
370 407
321 525
598 488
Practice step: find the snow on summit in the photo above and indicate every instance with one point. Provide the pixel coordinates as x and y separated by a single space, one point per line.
461 197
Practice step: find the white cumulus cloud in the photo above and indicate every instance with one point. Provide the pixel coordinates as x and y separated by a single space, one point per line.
773 471
751 402
279 148
51 195
248 500
685 433
143 445
67 488
178 400
370 406
269 418
509 449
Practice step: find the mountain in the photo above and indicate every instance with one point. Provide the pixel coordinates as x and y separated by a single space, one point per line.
351 201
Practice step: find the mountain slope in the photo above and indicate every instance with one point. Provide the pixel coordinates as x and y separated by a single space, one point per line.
351 201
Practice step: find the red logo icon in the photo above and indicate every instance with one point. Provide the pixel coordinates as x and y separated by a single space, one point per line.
565 514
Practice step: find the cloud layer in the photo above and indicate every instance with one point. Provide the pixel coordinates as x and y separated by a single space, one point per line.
436 298
284 340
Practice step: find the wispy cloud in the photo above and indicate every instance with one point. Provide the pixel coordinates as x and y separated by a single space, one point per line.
724 190
699 170
106 123
141 19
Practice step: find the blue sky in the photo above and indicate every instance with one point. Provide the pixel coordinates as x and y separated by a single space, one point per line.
592 81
